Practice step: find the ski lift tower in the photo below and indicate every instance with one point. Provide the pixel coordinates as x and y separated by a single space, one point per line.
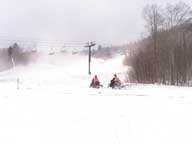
10 53
90 45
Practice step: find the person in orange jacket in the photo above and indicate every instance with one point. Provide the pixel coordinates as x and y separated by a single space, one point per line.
116 79
115 82
95 82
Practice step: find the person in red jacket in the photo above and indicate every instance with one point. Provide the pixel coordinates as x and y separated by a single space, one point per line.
95 82
116 79
115 82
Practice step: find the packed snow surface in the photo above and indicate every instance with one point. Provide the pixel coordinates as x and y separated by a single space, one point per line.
50 102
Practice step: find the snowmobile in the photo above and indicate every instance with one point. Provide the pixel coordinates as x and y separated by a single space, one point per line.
115 84
95 85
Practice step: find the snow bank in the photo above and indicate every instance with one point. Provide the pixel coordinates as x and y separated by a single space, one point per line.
55 105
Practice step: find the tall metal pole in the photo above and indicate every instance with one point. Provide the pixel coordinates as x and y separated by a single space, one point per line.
89 60
89 45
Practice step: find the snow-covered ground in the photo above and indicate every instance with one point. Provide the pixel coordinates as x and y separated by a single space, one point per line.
54 105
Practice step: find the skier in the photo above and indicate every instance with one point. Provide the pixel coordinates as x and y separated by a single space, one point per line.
115 82
95 83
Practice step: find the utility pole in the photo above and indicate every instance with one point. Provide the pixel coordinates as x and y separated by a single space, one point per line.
89 45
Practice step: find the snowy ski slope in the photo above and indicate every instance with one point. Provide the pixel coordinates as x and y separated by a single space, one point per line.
54 105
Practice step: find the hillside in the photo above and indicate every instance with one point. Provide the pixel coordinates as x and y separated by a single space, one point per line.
54 105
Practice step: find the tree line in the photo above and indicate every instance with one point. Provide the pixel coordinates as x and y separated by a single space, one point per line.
165 54
18 54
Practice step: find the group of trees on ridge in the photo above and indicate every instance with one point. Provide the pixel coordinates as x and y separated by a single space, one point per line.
165 55
17 53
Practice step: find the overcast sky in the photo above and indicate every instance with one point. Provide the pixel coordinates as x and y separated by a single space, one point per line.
103 21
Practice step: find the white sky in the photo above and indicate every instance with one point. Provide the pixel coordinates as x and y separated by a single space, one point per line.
103 21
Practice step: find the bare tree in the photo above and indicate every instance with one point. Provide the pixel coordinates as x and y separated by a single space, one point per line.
165 55
154 20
